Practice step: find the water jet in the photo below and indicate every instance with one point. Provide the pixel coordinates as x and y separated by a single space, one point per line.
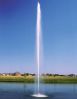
38 45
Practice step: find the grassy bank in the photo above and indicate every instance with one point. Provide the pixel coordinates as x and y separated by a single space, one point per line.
17 79
45 79
59 79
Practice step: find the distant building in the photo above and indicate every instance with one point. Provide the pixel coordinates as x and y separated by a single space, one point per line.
3 74
17 74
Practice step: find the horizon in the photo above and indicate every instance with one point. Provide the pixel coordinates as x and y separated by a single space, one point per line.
18 36
36 74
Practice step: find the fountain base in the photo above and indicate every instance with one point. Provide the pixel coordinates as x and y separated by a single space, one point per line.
39 95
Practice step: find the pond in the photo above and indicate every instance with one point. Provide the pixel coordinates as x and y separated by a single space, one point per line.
24 91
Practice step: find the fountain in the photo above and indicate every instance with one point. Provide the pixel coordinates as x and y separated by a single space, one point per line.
38 39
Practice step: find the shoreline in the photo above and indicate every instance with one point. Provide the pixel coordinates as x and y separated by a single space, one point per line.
46 79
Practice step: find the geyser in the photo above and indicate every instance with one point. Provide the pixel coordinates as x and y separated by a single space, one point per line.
38 45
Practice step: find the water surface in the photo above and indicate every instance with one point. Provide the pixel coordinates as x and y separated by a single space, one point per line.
24 91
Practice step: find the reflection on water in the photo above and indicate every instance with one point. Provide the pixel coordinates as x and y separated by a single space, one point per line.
24 91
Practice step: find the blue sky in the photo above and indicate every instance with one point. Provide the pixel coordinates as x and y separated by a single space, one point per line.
18 30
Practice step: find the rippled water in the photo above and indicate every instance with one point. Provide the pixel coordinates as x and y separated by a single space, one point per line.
24 91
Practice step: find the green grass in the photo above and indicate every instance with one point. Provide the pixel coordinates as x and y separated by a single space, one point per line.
16 79
59 79
45 79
